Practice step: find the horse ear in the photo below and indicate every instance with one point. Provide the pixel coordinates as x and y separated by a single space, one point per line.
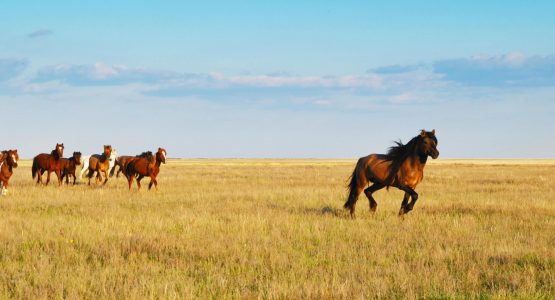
433 131
423 133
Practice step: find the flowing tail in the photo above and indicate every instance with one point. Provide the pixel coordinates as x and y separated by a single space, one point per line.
353 190
34 168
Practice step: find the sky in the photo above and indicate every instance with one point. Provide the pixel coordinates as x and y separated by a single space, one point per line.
321 79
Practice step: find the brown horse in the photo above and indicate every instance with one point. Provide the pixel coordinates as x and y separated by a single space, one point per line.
120 163
100 163
50 163
160 158
402 167
69 165
7 163
140 167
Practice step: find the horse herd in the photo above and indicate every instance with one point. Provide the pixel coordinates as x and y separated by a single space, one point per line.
401 167
136 167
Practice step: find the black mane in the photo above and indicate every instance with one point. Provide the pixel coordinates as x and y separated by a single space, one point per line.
145 154
55 154
398 154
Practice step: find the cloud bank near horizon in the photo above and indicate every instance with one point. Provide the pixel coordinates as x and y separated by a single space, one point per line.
486 99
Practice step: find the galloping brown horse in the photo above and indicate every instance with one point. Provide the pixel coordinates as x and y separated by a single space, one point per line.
69 165
140 167
50 163
8 162
160 158
100 163
402 167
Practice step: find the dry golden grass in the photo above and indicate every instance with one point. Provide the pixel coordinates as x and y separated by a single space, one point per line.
275 229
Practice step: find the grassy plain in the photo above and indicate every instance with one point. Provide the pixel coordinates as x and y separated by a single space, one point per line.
276 229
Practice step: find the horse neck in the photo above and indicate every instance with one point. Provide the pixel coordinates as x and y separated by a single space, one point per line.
417 160
55 155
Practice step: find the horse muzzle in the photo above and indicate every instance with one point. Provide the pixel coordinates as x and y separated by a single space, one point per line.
435 154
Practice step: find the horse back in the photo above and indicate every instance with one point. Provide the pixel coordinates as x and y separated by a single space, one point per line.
138 165
374 167
43 161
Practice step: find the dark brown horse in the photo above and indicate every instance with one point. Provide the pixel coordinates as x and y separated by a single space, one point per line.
140 167
100 163
69 165
402 167
49 163
8 162
120 163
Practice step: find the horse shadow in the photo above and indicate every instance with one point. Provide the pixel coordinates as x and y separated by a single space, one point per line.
326 211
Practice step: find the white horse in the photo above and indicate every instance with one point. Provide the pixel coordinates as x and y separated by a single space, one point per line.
85 162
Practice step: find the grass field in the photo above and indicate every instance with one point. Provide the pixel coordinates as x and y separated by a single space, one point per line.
276 229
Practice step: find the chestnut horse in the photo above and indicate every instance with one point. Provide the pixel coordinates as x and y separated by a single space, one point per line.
120 163
100 163
8 162
50 163
160 158
139 167
85 162
402 167
69 165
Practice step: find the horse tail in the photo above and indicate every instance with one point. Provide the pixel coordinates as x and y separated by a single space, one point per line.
353 187
34 168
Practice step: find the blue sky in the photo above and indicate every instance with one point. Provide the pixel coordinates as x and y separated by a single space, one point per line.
283 79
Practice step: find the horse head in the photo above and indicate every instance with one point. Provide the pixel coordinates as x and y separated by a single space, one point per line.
59 150
77 158
113 155
12 158
161 155
428 144
107 151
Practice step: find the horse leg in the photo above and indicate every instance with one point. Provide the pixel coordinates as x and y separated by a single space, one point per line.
90 175
4 187
59 175
105 177
404 203
153 181
130 180
413 195
139 181
368 192
47 177
39 176
98 177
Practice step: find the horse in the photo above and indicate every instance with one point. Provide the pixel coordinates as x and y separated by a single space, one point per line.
8 162
69 165
402 167
100 163
140 166
160 158
50 163
85 162
121 162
